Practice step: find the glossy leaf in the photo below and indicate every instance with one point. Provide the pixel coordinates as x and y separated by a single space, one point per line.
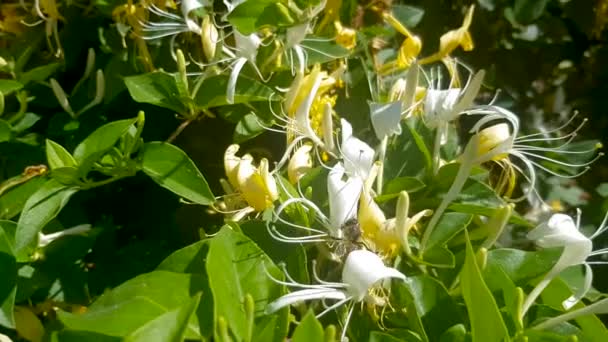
171 168
309 329
213 91
481 305
409 16
5 131
9 86
8 281
520 266
57 156
40 208
157 88
13 200
236 267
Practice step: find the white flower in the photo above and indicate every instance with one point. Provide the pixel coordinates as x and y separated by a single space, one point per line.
300 163
245 50
343 196
363 271
561 231
358 157
173 24
46 239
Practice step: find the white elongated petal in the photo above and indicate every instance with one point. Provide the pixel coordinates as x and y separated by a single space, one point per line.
231 164
45 239
343 198
439 106
470 92
303 295
386 118
560 230
188 6
247 46
234 75
302 117
362 270
581 291
358 156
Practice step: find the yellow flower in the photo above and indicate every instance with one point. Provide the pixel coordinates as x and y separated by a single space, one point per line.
453 39
300 163
11 19
491 137
346 37
254 184
409 50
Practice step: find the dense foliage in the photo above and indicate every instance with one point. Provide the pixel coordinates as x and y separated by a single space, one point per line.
263 170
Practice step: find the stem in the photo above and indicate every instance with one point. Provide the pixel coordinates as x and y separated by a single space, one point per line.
382 156
531 298
595 308
179 130
437 148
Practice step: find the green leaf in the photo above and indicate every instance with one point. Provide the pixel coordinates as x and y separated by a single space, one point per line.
5 131
449 225
13 200
98 143
409 16
57 156
9 86
39 74
40 208
212 92
486 321
456 333
520 266
8 281
394 186
138 303
171 326
309 329
247 128
236 267
171 168
320 50
487 212
526 11
249 16
158 88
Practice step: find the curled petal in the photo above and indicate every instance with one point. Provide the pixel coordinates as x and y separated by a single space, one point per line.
231 163
362 270
303 295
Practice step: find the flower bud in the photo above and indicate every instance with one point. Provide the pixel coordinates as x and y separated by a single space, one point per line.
231 164
300 163
257 186
492 137
209 38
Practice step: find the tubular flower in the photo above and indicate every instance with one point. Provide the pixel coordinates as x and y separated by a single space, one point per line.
561 231
134 16
296 34
343 197
383 235
11 19
358 157
48 11
346 37
300 163
255 185
408 51
308 108
460 37
363 277
500 142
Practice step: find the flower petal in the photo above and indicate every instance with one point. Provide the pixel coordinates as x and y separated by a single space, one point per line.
303 295
343 198
358 157
386 118
363 269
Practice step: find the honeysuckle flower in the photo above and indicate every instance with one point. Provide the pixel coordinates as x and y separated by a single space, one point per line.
134 16
357 156
343 195
245 50
345 36
363 275
254 185
300 163
408 51
174 24
48 12
295 34
11 21
46 239
460 37
386 236
561 231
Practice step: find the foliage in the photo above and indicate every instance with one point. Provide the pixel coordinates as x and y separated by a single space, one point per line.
300 170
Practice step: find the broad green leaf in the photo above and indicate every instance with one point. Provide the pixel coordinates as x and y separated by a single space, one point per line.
394 186
138 302
171 326
520 266
9 86
57 156
456 333
430 308
526 11
236 267
190 259
5 131
212 92
448 226
79 336
65 175
28 120
486 321
309 329
99 142
158 88
40 208
488 212
320 50
8 281
171 168
247 128
13 200
39 74
409 16
249 16
376 336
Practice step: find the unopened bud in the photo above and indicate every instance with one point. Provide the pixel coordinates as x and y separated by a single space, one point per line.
209 38
300 163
